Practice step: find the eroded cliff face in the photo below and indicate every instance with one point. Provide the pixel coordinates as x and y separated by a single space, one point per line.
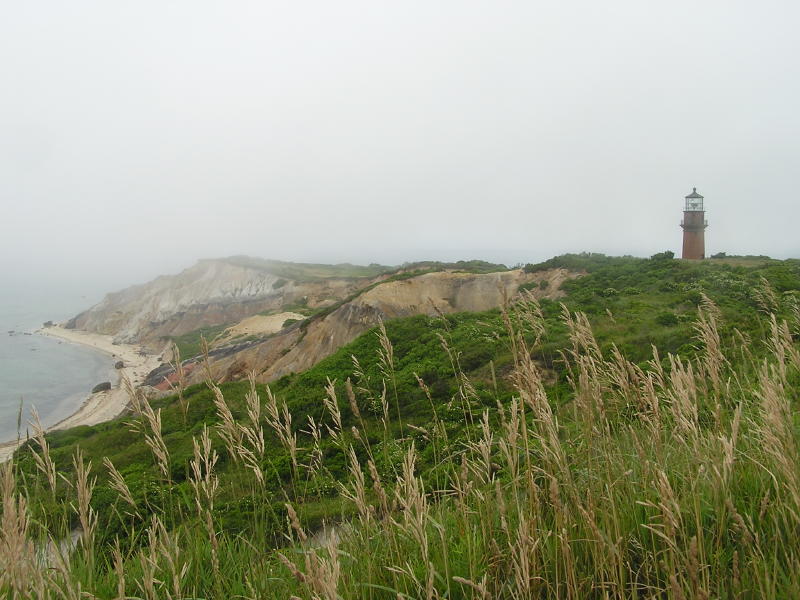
298 348
212 292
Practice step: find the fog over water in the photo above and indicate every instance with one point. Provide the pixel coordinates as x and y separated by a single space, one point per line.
138 137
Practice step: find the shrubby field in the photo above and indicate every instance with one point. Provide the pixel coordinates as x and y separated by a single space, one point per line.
638 440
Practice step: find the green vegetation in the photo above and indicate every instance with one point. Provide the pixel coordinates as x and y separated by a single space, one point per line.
639 442
305 272
189 344
464 266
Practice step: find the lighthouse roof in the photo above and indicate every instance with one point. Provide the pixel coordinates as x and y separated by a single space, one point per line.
694 194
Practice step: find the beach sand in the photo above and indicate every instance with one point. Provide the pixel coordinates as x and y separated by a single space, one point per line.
101 406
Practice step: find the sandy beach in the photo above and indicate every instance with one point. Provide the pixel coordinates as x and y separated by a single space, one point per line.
101 406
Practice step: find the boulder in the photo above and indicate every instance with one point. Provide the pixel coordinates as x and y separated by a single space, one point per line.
102 387
48 323
119 364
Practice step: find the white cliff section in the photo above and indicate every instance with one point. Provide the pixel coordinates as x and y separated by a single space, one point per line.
126 313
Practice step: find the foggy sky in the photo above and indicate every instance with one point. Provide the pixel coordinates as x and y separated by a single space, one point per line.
137 137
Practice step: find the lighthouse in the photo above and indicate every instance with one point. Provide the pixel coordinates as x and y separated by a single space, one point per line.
694 225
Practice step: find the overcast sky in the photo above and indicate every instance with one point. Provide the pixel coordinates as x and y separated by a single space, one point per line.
137 137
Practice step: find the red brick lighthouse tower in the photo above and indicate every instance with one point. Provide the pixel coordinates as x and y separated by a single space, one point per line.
694 224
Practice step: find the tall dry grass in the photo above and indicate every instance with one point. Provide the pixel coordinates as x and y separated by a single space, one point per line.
675 479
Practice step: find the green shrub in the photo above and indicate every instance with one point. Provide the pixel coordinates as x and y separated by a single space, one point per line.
667 319
668 255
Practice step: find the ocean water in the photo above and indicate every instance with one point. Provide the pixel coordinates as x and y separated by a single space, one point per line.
54 376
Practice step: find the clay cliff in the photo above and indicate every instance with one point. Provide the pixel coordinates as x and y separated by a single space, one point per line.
282 318
302 345
216 292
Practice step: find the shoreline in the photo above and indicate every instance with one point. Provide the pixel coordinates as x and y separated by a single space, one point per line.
101 406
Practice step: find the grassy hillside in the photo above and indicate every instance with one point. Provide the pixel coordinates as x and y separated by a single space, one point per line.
638 442
305 272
